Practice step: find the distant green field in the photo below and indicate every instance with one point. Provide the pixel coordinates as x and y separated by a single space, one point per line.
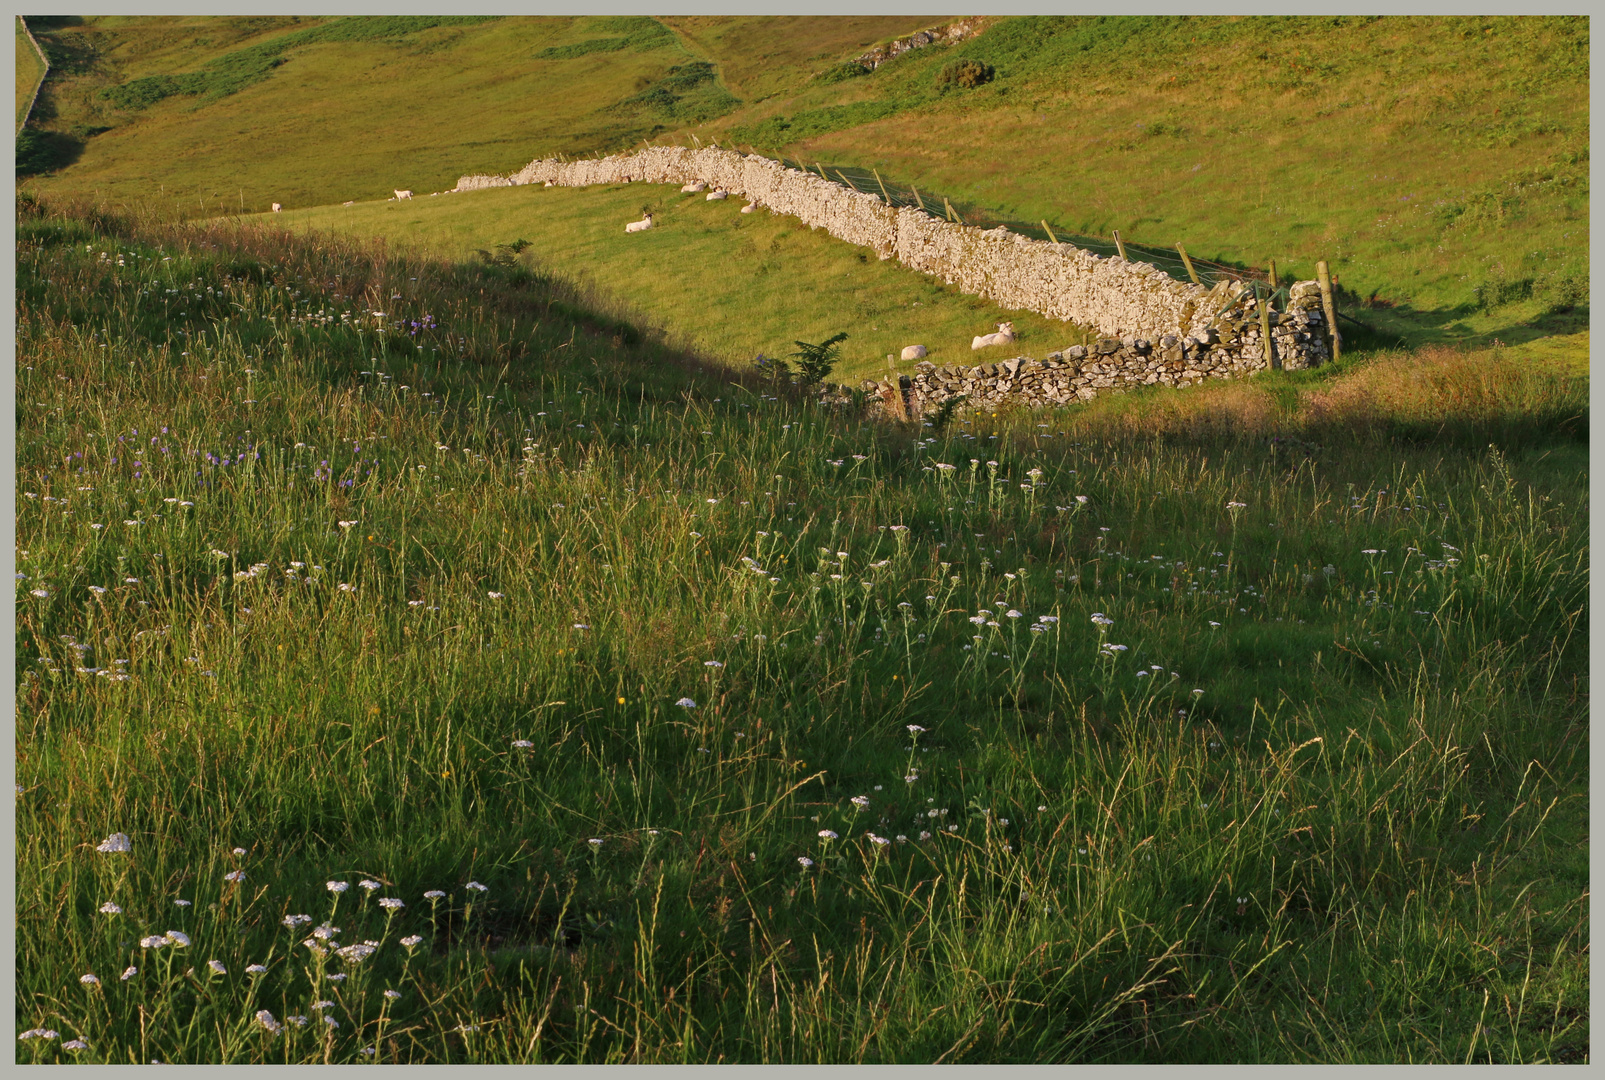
727 284
29 71
1440 164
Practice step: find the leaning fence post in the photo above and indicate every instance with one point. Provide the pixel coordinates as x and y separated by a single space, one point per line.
1324 275
1271 359
882 183
1188 263
1119 246
821 169
948 207
917 198
1049 229
895 384
846 181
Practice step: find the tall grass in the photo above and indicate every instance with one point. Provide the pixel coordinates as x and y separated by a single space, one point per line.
729 728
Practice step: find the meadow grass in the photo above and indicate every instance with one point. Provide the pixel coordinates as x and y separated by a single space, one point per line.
1440 164
732 728
29 71
725 284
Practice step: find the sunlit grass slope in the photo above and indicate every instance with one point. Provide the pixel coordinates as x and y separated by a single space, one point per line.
1440 164
673 720
29 70
314 111
727 284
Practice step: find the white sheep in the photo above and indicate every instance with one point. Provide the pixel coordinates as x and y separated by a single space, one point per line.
277 208
719 194
639 226
1004 336
693 187
750 207
403 194
914 352
548 184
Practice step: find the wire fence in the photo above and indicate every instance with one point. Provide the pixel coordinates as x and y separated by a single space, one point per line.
1205 272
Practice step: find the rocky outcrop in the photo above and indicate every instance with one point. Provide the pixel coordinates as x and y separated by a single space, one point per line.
952 32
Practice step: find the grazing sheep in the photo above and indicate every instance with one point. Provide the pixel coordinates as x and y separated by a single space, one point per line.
403 194
749 208
914 352
350 203
1004 336
719 194
693 187
639 226
277 208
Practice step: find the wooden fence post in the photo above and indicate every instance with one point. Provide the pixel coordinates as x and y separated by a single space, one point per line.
917 198
882 183
1119 246
1324 275
1271 359
846 181
948 207
1273 273
895 384
1188 263
1049 229
821 169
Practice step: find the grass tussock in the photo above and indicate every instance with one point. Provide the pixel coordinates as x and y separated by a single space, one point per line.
411 668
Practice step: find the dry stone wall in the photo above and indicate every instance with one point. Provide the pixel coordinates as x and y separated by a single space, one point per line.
1156 329
1081 372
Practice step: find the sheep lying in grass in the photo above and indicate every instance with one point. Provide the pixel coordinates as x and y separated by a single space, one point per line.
693 187
749 208
914 352
1004 336
719 194
639 226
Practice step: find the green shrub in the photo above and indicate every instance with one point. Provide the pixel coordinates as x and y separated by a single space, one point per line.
847 69
1500 290
964 75
815 362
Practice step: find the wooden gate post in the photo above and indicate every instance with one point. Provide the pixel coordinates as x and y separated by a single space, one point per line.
1271 359
1323 274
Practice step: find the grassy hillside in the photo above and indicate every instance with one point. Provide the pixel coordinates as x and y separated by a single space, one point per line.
1439 163
29 71
725 284
420 101
671 719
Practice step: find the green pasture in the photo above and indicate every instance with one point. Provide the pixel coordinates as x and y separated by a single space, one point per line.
419 663
1440 164
725 284
29 71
